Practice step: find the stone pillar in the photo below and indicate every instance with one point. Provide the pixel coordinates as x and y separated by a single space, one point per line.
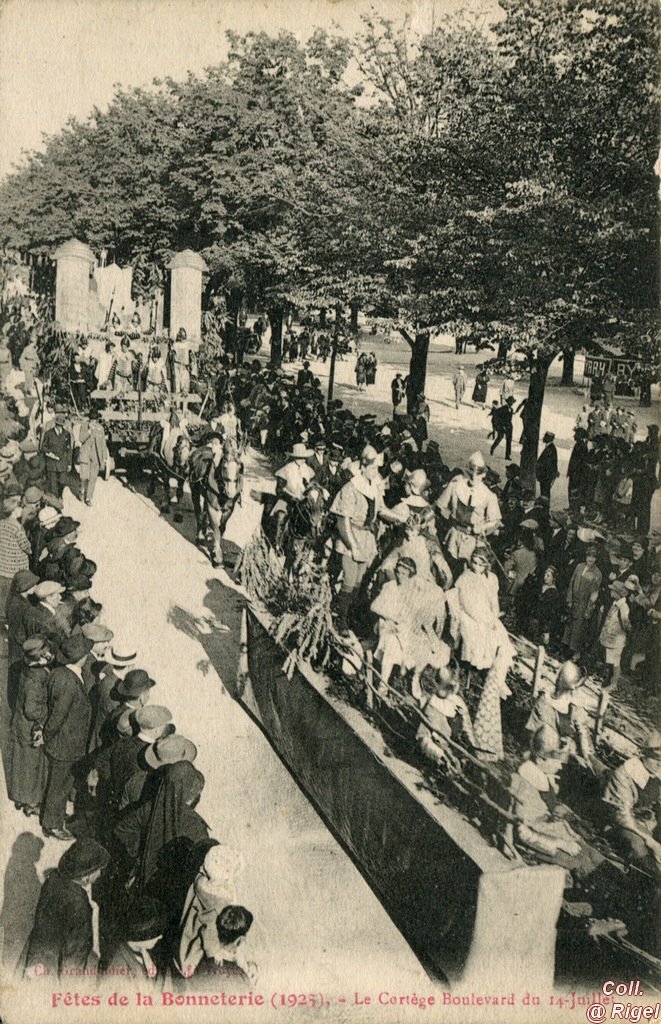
72 285
186 268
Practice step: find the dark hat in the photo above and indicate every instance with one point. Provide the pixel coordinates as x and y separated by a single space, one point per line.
79 582
65 526
24 580
83 858
146 918
548 436
74 648
35 646
170 750
134 683
510 400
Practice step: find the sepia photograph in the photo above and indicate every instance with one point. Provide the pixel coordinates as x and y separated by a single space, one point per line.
330 511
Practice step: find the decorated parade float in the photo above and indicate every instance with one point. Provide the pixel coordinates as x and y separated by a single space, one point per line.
439 843
152 370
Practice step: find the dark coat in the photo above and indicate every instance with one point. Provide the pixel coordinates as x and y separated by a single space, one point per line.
31 472
69 715
59 444
40 620
547 464
17 613
128 770
61 938
26 778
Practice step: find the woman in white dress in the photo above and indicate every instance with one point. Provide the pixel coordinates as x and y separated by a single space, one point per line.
485 645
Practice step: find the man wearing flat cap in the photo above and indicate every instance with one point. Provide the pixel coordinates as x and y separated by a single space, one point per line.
547 465
41 618
101 638
57 446
65 731
65 935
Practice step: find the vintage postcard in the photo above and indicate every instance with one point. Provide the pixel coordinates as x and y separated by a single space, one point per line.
330 511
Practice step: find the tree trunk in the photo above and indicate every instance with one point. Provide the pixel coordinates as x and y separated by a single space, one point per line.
354 317
534 407
276 317
331 371
567 367
417 369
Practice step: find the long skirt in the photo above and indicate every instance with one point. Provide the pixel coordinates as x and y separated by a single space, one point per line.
487 726
26 780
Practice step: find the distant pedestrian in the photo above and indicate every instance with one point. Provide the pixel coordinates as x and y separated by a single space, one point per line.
397 392
371 364
361 372
459 385
305 376
480 387
547 465
507 388
502 422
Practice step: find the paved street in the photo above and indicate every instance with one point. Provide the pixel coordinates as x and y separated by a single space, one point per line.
317 923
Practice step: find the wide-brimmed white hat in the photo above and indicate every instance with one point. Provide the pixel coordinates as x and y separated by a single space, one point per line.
299 451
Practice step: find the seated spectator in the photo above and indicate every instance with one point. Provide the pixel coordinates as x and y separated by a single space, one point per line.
447 717
541 826
632 796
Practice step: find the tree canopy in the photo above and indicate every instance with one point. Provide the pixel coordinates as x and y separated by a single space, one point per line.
491 178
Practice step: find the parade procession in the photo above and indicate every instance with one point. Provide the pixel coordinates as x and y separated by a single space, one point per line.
330 524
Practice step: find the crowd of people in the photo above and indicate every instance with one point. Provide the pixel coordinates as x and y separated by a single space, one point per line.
143 889
427 563
424 559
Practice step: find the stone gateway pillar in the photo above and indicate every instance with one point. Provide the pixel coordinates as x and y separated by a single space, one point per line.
186 269
75 260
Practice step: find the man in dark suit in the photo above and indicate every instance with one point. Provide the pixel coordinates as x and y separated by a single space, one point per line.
57 446
40 617
65 935
128 768
65 732
547 465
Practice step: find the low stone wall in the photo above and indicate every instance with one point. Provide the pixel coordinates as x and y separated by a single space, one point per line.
467 911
